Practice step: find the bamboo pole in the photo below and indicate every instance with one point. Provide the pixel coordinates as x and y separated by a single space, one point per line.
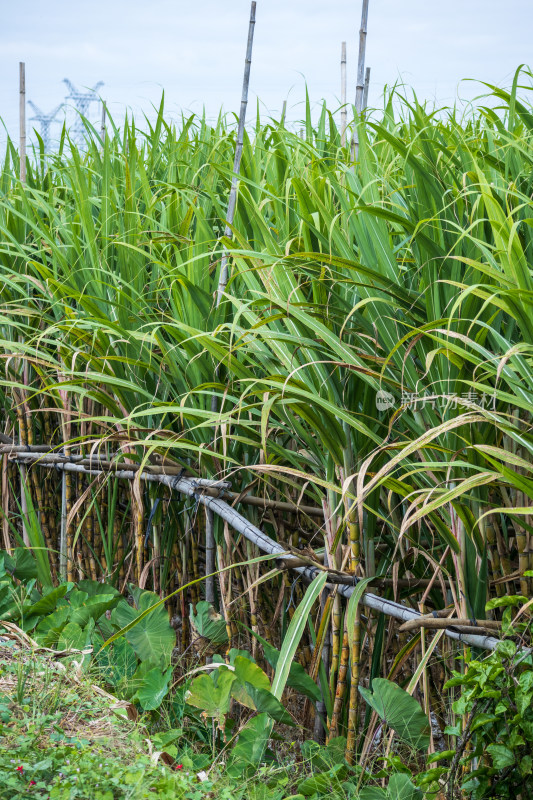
102 125
28 453
21 411
360 87
224 272
343 94
438 624
22 120
25 448
210 556
212 487
365 91
283 113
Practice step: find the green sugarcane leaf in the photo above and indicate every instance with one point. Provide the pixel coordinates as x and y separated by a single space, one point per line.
294 634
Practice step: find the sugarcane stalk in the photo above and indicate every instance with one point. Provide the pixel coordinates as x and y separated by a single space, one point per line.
340 689
354 691
335 642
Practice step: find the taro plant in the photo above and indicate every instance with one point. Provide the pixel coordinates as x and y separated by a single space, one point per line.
244 682
75 617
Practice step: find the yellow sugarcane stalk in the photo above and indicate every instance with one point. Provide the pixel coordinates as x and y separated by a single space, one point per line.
341 687
354 693
320 637
335 642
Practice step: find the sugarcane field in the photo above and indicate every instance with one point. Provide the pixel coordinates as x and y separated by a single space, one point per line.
266 369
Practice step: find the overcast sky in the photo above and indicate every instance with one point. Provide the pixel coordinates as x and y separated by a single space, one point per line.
194 49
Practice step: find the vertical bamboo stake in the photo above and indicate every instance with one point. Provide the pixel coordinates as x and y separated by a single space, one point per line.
360 88
209 555
343 94
365 90
66 493
102 126
5 495
22 119
223 278
63 529
283 113
23 415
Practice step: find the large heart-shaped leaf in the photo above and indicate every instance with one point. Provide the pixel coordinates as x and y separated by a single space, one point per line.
247 671
153 688
83 608
152 638
264 701
115 663
324 782
400 711
250 746
208 623
48 603
49 629
400 788
212 694
94 588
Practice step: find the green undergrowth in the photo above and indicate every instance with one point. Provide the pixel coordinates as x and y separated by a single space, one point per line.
61 737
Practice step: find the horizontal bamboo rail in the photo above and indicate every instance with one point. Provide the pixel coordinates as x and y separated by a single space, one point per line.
87 465
191 487
438 624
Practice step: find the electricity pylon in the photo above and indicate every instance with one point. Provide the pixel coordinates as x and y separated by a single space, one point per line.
45 120
82 101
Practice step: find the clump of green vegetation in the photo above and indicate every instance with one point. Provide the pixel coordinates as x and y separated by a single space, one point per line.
368 376
62 737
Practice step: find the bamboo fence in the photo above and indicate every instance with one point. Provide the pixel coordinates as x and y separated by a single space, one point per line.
211 495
